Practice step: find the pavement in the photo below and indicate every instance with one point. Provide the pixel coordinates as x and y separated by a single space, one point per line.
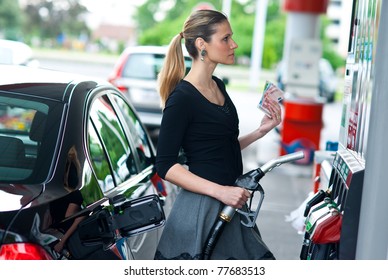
288 188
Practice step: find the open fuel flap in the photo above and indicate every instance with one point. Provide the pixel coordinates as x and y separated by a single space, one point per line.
122 218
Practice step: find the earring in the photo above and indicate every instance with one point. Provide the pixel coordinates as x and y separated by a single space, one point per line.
203 53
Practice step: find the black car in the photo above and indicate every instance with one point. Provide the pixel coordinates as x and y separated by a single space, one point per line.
77 177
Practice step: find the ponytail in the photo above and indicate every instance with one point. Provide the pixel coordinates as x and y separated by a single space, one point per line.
173 69
201 23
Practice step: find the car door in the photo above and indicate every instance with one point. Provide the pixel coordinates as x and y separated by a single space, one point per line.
121 166
142 246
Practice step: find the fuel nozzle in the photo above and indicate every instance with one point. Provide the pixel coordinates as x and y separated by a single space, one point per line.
250 179
318 197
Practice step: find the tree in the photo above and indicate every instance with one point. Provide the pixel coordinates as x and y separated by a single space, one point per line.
154 31
53 19
328 51
10 19
274 32
144 16
159 31
157 26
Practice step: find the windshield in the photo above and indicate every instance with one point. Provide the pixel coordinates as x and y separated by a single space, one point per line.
147 66
26 126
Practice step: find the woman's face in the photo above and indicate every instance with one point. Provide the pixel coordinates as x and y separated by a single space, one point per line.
221 47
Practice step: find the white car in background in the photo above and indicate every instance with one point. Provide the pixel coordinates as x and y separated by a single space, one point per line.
135 75
328 80
17 53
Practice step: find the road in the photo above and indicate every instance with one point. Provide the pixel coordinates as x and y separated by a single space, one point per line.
286 187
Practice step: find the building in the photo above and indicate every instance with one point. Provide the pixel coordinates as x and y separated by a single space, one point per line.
113 36
339 13
111 23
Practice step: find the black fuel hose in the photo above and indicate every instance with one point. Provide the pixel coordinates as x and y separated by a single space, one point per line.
248 181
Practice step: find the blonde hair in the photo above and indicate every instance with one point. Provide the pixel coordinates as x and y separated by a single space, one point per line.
200 24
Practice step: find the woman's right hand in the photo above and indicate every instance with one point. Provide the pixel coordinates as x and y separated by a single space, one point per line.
235 197
59 246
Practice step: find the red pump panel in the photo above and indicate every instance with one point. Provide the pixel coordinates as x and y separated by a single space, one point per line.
306 6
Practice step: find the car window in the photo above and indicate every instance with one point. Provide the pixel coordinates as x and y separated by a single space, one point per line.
188 63
143 66
22 126
147 65
99 160
91 190
112 158
137 133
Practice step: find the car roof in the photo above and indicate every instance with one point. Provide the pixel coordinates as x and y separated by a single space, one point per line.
147 49
14 52
14 77
15 74
152 49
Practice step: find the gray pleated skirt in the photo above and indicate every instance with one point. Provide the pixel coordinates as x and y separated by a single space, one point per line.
189 224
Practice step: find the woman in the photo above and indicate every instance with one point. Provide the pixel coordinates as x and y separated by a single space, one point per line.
200 119
70 204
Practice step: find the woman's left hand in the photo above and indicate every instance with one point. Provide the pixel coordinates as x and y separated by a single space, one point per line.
268 123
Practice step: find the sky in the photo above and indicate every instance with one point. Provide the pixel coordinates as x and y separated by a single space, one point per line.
118 12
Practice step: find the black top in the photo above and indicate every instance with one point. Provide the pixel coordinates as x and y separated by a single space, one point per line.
208 134
59 207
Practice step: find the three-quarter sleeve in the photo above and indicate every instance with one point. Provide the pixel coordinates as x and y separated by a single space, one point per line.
176 115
